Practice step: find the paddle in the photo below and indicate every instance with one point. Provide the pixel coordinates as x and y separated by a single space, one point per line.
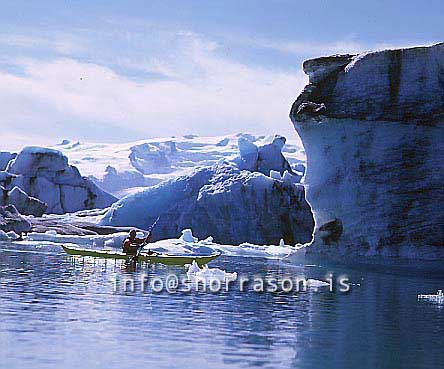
150 231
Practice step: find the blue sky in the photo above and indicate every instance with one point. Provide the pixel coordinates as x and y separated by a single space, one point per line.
120 71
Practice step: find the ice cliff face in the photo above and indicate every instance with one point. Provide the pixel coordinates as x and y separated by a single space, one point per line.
373 129
226 201
40 180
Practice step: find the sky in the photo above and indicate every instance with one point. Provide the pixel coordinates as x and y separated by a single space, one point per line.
118 71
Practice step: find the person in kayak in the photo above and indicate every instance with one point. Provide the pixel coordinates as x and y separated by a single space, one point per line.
133 243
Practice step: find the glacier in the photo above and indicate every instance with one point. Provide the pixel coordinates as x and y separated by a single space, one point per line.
126 168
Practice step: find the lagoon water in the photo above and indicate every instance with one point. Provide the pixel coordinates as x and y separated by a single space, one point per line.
61 312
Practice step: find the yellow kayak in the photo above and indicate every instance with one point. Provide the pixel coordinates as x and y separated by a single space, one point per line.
157 258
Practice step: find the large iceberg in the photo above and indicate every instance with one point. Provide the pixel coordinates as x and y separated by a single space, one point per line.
373 128
40 179
232 204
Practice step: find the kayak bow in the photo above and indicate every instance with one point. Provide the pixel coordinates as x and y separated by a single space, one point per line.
158 258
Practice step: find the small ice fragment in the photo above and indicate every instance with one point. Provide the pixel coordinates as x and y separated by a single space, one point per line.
12 235
316 283
187 236
208 274
209 239
438 298
194 268
51 232
108 243
3 236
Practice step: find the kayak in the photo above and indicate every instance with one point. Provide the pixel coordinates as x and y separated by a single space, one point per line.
158 258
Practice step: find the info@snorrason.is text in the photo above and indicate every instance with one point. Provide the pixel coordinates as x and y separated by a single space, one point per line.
173 283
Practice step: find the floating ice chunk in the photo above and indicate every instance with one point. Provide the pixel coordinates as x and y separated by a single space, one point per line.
193 269
12 235
207 240
438 298
97 241
208 274
316 283
187 236
8 236
260 251
3 236
109 244
51 232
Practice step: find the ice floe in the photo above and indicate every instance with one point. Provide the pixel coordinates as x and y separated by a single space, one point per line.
187 244
207 274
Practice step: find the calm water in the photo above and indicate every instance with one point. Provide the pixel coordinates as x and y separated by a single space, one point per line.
58 313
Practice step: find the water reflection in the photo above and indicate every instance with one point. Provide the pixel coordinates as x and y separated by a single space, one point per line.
58 311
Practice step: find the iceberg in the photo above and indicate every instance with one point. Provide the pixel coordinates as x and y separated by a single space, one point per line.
41 180
372 126
11 220
232 204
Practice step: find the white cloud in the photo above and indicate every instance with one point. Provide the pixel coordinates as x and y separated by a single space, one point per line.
65 44
313 48
204 93
83 87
